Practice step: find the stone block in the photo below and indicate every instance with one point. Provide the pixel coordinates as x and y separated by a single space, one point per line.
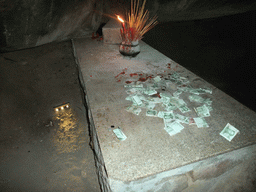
111 32
212 170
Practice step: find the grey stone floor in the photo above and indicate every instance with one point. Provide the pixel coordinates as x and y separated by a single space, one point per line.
41 150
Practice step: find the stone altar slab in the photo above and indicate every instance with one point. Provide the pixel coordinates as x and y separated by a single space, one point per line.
149 149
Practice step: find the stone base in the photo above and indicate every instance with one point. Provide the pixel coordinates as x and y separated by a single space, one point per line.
111 32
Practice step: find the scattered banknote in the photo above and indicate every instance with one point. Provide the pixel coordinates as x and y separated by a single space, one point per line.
133 109
136 100
201 91
167 115
182 118
184 108
154 99
177 93
170 107
135 91
209 107
196 98
152 113
133 85
119 134
150 105
173 128
229 132
176 101
150 91
201 122
157 79
202 111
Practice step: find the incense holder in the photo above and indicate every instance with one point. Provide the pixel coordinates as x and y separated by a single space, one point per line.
131 49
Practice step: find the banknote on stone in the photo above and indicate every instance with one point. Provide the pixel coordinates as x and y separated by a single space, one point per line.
201 91
154 99
133 109
229 132
202 111
182 119
150 105
135 91
170 107
133 86
173 128
200 122
151 113
150 91
184 109
178 102
136 100
168 115
157 78
177 93
196 98
119 134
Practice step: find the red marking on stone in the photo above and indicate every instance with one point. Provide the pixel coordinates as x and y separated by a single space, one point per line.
90 75
133 74
120 74
142 79
118 80
140 74
128 82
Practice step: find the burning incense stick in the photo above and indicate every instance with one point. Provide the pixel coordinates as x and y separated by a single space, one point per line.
138 22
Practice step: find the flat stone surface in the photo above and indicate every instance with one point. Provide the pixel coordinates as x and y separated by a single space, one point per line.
149 149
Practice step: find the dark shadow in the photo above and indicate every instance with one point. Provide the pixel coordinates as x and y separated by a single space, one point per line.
219 50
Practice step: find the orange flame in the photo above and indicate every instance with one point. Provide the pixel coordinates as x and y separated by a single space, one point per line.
120 19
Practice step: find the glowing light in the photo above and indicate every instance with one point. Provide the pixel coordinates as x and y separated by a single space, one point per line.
62 107
120 19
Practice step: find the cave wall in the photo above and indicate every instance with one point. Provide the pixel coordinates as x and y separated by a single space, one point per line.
29 23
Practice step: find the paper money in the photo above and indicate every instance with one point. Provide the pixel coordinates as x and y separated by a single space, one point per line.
229 132
136 100
150 91
170 107
152 113
177 102
150 105
133 86
133 109
196 98
119 134
170 130
184 109
182 118
168 115
173 128
202 111
177 93
201 91
157 79
201 122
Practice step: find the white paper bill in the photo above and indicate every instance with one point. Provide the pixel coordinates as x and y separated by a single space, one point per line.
119 134
229 132
201 122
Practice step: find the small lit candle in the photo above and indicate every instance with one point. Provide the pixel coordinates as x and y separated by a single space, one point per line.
120 19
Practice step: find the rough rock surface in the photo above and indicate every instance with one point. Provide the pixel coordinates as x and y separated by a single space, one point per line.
31 23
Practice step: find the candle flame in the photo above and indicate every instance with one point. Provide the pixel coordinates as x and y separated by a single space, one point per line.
120 19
